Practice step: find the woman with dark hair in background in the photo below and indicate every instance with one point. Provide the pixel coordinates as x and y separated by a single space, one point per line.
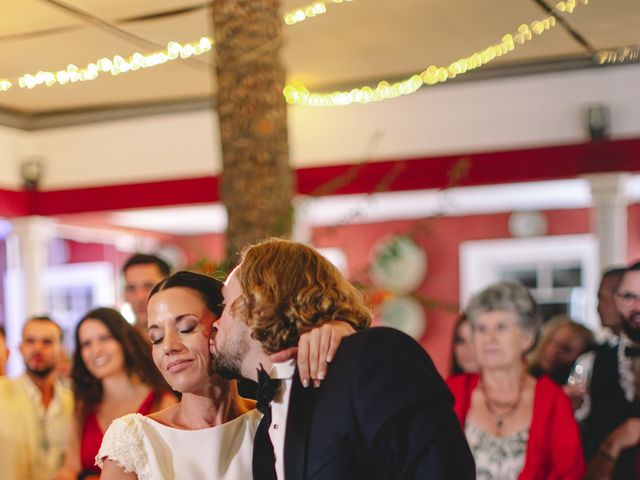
463 355
517 426
113 374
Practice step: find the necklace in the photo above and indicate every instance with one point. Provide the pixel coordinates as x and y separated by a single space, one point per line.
507 407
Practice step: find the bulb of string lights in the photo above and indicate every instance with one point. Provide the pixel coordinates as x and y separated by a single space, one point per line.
311 10
629 53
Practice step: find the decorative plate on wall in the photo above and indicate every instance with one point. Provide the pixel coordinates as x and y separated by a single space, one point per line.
404 313
399 264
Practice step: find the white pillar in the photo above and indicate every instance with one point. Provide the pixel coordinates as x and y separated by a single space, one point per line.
301 227
27 258
609 194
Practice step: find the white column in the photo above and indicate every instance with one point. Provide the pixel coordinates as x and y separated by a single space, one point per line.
609 193
27 258
301 225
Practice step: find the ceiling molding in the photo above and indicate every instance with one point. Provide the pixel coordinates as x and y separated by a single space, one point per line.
65 118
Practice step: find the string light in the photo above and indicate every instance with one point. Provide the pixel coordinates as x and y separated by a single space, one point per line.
118 64
115 65
629 53
308 11
298 94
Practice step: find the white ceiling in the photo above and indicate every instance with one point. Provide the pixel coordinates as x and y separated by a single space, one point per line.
354 43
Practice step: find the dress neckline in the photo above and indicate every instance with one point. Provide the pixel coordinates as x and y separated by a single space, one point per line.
153 421
515 435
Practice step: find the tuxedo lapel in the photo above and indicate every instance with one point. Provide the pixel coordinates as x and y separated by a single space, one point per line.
301 405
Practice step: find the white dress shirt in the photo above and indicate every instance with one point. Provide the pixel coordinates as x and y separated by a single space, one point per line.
279 407
627 368
33 438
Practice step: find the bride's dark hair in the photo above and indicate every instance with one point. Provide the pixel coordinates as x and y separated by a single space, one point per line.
209 288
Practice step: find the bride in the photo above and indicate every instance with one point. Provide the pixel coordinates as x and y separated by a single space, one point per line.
209 433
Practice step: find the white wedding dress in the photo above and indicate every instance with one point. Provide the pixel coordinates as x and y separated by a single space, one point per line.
155 451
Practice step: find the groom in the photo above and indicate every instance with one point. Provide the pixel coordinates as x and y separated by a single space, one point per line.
382 412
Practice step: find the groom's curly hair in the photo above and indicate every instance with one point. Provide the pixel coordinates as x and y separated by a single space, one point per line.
288 288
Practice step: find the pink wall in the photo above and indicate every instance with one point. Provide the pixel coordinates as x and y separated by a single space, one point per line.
90 252
203 248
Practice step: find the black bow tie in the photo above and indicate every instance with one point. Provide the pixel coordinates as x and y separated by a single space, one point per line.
631 351
264 460
267 388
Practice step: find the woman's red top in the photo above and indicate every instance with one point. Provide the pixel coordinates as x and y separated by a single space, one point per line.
554 451
92 435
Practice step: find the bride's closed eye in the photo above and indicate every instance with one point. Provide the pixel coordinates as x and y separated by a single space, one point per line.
188 329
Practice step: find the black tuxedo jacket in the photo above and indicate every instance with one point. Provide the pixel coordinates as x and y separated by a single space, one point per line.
383 412
609 408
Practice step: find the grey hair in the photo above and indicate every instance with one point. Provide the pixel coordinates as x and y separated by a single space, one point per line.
509 296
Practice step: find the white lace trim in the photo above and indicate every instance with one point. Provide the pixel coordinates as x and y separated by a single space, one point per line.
123 443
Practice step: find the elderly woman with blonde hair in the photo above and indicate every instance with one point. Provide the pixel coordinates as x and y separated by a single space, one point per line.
517 426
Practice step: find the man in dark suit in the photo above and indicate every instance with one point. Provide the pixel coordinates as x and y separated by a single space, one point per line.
383 411
611 431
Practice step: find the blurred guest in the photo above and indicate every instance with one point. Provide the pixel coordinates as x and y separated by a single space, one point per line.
4 352
35 409
63 368
611 319
612 429
463 356
562 341
113 375
141 273
607 310
517 426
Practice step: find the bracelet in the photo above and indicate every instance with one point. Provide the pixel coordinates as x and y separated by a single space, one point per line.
606 455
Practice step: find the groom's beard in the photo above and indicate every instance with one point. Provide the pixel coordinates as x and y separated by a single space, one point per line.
227 362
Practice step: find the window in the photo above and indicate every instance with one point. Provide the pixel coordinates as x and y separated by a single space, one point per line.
561 272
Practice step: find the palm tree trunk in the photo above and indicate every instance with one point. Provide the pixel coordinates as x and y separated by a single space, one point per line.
257 184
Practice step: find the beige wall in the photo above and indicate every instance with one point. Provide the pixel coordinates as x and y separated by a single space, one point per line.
452 118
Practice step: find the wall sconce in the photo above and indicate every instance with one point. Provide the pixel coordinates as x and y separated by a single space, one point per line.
598 121
31 171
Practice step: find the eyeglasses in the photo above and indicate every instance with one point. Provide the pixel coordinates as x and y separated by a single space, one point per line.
628 298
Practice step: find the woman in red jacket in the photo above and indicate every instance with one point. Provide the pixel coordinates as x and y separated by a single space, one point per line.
516 426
